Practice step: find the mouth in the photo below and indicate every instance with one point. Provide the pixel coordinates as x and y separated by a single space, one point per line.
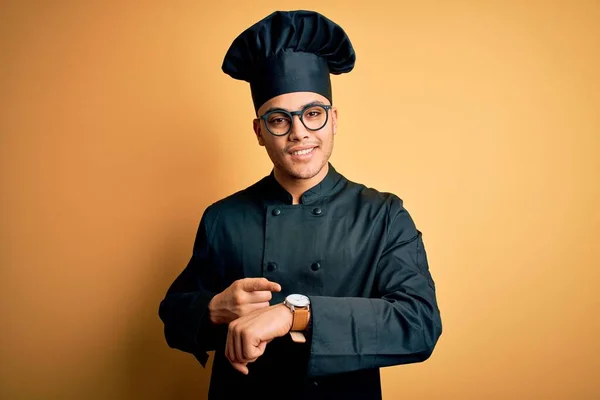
303 152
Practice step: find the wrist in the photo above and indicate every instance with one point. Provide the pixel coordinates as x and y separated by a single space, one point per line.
212 314
286 314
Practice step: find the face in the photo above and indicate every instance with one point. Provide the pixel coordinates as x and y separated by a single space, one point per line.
302 153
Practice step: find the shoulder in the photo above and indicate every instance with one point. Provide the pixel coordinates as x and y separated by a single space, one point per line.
235 204
384 206
365 194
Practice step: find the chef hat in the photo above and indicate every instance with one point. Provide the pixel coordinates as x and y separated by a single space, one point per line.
289 51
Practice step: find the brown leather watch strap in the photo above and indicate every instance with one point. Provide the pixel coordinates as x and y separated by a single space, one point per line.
300 318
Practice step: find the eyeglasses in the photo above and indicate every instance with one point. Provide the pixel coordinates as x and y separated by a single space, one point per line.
279 122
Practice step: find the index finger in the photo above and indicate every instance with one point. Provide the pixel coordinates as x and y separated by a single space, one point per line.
256 284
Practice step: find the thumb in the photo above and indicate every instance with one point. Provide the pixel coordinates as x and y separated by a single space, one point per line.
242 367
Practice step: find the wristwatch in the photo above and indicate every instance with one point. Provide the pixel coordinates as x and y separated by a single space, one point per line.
299 305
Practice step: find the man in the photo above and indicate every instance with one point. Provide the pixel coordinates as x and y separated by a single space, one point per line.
305 283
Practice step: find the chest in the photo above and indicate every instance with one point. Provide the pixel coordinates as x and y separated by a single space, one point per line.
313 250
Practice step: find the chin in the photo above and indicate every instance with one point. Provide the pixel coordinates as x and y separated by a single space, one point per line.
303 174
305 171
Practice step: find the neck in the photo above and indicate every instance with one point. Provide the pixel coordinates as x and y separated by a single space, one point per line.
295 186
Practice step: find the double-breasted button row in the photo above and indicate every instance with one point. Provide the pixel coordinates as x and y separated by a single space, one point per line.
272 267
316 211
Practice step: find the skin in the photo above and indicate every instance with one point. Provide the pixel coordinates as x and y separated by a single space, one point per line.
241 298
297 174
253 322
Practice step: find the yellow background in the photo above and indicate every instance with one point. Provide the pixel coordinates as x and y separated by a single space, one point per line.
118 128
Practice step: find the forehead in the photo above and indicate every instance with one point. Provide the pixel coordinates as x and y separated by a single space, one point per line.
292 101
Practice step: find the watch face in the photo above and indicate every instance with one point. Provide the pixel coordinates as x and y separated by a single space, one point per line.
298 300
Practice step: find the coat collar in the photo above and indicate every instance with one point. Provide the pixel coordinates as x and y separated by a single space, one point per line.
277 193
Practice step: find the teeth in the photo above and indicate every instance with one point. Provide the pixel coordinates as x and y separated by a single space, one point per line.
303 152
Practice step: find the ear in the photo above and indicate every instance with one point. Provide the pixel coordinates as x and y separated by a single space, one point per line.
334 119
258 131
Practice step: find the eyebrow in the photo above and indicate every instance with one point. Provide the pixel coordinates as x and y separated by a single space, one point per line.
312 103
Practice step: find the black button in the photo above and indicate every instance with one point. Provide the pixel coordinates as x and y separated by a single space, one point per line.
317 211
271 267
276 212
315 266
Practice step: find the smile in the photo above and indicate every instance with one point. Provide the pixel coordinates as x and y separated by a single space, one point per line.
303 152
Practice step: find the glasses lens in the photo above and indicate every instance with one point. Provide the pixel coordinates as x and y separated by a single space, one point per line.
314 117
278 123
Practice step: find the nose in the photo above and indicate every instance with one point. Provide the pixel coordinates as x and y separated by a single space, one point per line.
298 131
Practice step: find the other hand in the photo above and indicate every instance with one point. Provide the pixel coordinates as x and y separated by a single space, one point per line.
248 336
241 298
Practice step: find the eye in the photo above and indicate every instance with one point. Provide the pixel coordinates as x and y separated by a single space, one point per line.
278 119
313 112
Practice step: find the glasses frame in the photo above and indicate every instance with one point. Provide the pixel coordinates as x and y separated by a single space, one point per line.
299 113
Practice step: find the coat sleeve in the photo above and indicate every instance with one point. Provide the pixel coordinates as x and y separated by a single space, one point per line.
400 324
184 309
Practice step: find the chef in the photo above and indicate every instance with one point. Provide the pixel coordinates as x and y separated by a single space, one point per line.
305 283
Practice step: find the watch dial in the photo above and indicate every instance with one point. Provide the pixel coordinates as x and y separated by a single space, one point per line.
298 300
